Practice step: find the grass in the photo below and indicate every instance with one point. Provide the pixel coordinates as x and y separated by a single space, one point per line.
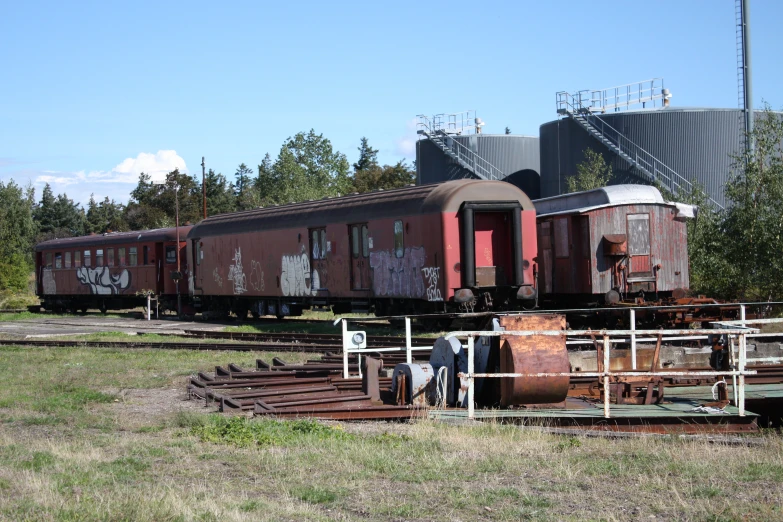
78 441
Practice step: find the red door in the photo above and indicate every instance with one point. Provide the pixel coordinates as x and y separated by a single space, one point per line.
160 269
582 254
360 252
492 231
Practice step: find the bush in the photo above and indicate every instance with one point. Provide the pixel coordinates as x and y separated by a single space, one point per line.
14 273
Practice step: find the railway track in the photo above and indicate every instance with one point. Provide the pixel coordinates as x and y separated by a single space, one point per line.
148 345
373 341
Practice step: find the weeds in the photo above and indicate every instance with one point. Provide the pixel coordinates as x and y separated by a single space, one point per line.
240 431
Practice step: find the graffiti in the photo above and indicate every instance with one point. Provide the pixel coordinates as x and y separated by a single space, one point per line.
236 274
432 273
296 277
102 282
256 276
49 286
398 276
217 278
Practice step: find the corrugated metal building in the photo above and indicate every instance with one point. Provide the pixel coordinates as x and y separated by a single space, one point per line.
695 143
515 155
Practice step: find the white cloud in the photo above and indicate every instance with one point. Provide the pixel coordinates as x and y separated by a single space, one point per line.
116 183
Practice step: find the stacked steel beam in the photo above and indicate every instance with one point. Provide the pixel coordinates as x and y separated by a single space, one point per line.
314 389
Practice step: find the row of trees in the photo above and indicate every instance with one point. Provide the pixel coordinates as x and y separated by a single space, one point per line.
736 252
306 167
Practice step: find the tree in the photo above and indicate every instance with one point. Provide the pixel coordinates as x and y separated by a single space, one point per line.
17 235
368 157
592 173
221 195
263 185
153 205
307 168
58 217
386 177
244 196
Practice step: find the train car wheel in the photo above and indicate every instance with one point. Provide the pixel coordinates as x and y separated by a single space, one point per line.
102 307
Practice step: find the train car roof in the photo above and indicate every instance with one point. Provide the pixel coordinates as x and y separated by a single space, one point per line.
112 238
611 196
420 199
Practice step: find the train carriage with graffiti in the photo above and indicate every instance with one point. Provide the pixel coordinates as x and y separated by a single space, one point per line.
112 271
457 246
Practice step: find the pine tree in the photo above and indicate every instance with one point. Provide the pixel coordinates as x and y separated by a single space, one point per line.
368 157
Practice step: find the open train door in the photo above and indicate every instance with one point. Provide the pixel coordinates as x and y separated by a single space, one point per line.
491 241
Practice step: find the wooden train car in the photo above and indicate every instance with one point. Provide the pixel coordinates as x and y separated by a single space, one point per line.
611 244
456 246
111 271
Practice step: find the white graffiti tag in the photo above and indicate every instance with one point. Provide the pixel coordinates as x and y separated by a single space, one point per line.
296 277
236 274
432 273
102 282
217 278
256 276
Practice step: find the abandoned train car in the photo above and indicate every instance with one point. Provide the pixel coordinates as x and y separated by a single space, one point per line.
112 271
456 246
611 244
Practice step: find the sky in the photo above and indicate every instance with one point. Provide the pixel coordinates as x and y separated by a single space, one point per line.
93 93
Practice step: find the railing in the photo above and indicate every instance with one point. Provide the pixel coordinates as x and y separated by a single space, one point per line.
450 123
607 374
619 97
437 130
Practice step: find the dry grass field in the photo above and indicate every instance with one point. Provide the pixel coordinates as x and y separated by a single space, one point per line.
109 435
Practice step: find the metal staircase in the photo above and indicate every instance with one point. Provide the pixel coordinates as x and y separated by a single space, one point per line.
441 129
584 108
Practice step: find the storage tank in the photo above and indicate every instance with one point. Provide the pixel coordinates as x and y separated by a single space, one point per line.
516 156
696 143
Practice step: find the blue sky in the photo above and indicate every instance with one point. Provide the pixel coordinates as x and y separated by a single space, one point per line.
92 93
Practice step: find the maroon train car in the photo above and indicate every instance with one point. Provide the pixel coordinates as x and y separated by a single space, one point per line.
459 245
612 243
111 271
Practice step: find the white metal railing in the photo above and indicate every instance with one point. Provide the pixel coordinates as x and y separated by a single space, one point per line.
605 376
464 122
614 98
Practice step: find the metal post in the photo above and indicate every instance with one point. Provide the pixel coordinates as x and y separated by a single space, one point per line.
607 346
742 314
471 380
633 339
345 349
179 270
747 76
204 187
733 366
743 342
149 311
408 343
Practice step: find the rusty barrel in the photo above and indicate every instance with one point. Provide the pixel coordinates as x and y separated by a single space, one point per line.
533 354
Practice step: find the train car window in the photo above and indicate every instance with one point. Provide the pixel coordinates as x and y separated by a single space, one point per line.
639 234
67 260
132 255
318 242
561 237
77 259
99 257
87 258
365 242
58 260
399 246
121 256
171 254
48 260
354 241
146 255
109 257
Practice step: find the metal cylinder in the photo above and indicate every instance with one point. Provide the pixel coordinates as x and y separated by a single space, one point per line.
533 354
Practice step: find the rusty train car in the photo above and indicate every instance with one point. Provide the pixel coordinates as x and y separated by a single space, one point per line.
462 245
112 271
613 244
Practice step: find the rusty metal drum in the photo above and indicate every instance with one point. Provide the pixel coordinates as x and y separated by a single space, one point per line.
533 354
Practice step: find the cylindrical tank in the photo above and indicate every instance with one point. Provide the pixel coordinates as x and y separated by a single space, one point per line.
516 156
698 144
